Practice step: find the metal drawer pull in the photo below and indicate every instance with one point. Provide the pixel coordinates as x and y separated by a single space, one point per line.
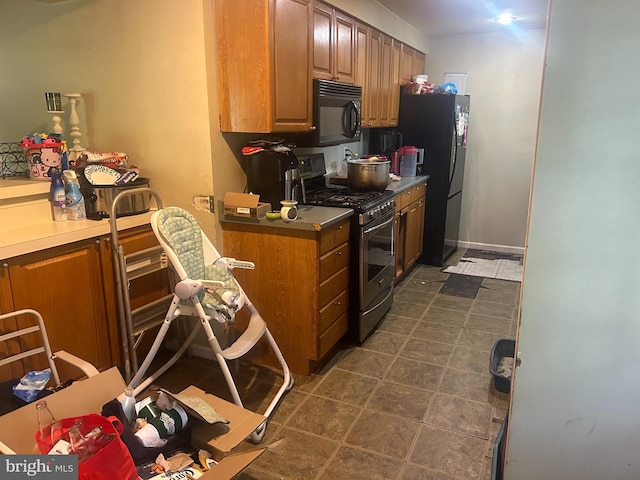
337 303
339 253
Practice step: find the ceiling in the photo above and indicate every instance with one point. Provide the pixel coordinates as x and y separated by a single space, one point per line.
455 17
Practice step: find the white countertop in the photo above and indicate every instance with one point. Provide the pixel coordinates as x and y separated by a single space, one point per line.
23 239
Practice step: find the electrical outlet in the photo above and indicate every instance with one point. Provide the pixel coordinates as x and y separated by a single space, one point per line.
204 203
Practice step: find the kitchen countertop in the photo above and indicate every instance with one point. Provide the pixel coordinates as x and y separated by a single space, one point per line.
406 182
24 239
309 218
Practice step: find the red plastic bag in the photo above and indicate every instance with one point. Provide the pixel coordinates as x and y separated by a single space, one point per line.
112 461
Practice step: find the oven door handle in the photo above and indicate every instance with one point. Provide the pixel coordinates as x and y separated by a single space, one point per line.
381 302
377 227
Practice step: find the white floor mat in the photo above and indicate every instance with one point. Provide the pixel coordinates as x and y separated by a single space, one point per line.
480 267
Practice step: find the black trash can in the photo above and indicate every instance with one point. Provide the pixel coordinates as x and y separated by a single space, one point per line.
503 348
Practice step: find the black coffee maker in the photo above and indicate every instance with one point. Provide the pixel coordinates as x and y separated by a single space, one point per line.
272 172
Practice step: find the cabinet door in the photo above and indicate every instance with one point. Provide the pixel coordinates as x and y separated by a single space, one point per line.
322 41
344 48
65 285
399 243
406 64
394 83
10 347
373 92
385 80
420 229
361 67
292 73
411 235
417 66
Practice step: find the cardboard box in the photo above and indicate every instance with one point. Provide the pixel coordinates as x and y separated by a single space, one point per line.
17 428
245 205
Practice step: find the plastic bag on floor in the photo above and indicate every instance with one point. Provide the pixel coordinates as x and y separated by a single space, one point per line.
32 384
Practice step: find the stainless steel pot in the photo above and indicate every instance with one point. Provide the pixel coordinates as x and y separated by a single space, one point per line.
366 174
99 199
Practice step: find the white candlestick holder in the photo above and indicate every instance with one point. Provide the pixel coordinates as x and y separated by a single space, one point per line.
76 149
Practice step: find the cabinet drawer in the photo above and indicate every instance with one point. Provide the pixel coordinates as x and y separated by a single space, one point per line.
332 310
331 336
333 236
333 286
403 199
333 261
417 192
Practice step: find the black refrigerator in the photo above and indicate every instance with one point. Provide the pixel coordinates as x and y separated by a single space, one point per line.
438 123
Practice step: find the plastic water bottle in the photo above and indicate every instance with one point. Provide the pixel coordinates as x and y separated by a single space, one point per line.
128 402
74 199
58 197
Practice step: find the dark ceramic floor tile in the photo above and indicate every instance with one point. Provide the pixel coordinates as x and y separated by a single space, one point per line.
485 323
346 386
386 434
251 473
324 417
501 285
429 273
452 303
415 374
478 339
468 385
422 285
355 464
385 342
259 398
493 309
469 359
301 456
464 416
409 310
443 316
366 362
413 296
400 400
514 328
436 332
461 286
415 472
400 325
497 296
427 351
449 452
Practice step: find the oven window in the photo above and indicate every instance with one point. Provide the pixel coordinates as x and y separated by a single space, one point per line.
378 247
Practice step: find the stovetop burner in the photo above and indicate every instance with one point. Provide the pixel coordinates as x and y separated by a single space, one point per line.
344 197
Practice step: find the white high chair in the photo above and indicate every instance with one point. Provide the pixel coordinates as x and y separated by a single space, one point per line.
207 290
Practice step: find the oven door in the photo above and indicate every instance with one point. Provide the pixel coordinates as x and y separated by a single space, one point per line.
377 262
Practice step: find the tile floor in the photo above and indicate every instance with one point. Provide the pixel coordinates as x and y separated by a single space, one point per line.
414 402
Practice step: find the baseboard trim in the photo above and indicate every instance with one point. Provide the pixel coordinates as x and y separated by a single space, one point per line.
492 247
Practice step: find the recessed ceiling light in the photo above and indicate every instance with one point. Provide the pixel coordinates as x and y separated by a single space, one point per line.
505 19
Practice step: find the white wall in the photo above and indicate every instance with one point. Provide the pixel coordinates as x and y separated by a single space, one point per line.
575 400
504 79
144 70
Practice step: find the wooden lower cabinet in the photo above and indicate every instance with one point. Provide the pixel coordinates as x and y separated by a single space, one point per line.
299 286
409 228
64 284
72 287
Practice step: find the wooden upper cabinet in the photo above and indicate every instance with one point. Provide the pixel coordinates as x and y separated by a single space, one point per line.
362 66
406 64
394 83
386 59
417 66
334 36
372 99
264 65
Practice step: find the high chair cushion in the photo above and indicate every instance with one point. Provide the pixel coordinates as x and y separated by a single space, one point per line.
182 232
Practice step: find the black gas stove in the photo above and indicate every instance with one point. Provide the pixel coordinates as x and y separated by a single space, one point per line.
367 205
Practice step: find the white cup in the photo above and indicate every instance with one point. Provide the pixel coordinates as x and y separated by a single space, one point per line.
289 211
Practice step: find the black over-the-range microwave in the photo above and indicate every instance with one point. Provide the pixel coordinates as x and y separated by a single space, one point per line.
336 112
